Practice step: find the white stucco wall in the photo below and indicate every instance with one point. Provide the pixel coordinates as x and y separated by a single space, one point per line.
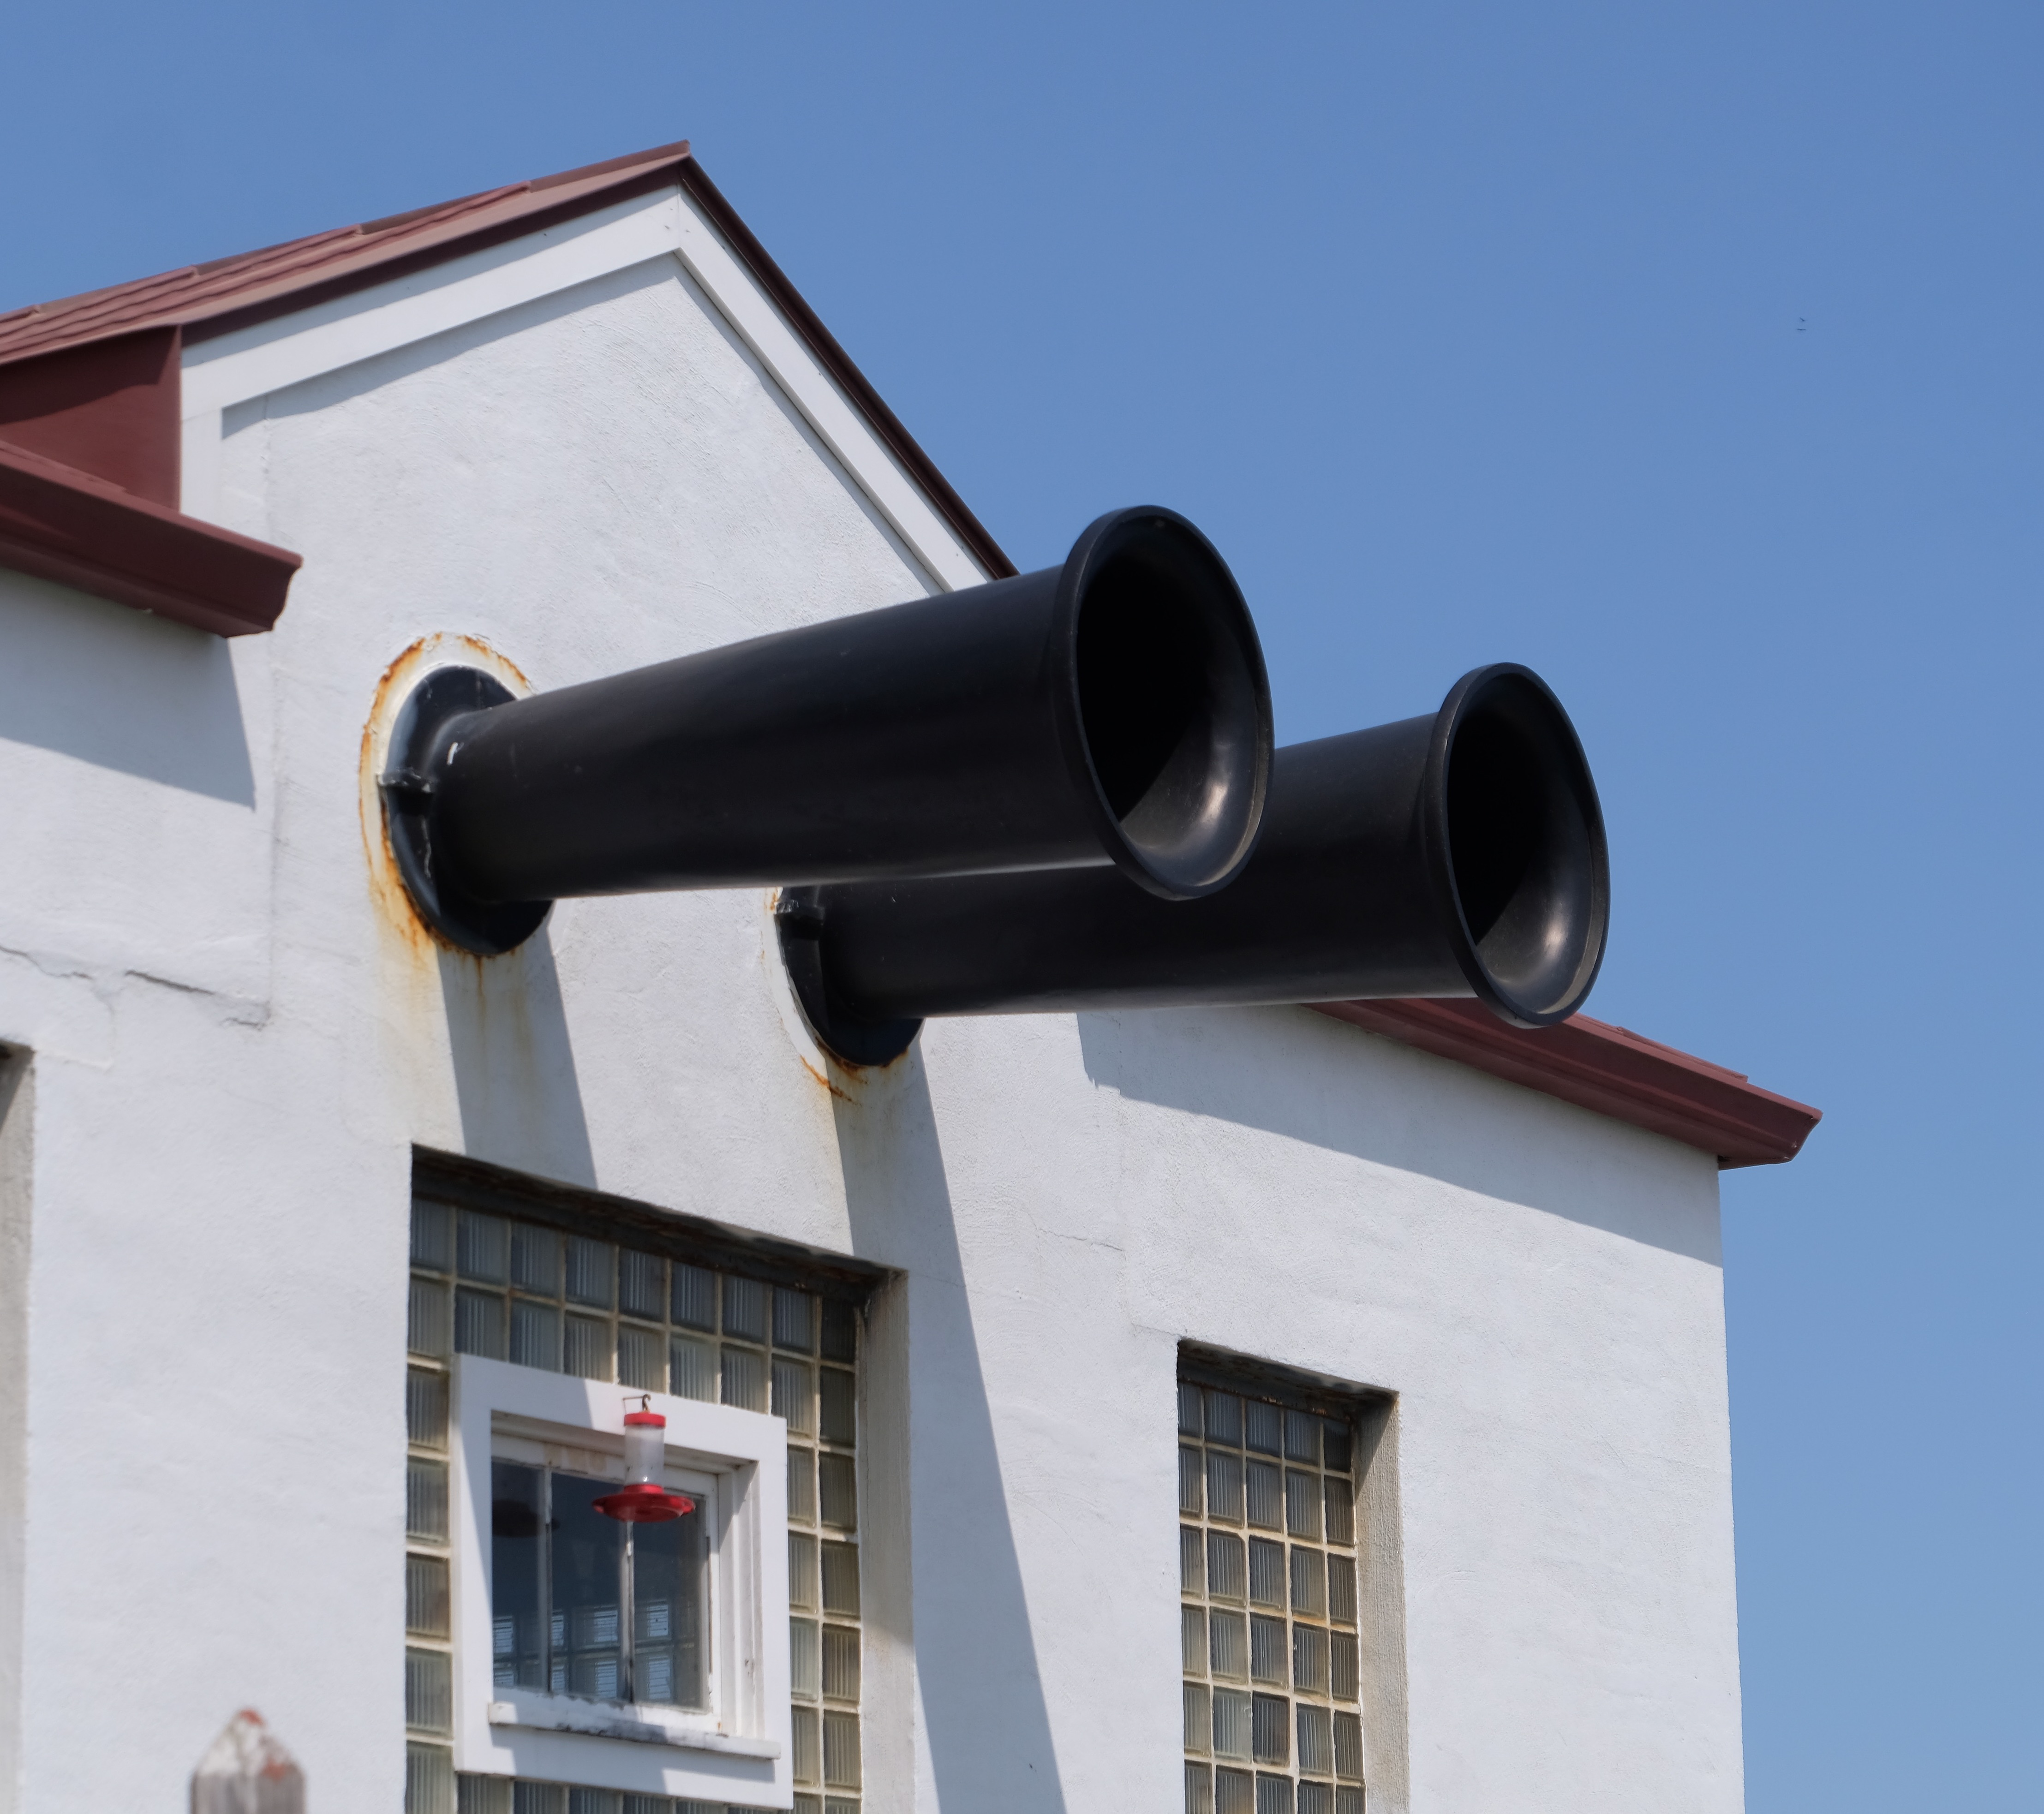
238 1034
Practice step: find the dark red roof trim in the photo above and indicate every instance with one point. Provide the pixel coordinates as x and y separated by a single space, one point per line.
228 293
60 524
381 251
1605 1069
108 408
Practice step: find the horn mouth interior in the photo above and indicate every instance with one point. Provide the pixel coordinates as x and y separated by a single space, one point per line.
1173 705
1526 847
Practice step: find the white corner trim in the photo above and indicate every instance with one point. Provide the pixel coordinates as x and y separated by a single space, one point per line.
200 435
255 361
839 424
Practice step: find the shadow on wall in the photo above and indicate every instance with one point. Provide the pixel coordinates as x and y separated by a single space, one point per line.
1307 1077
121 690
514 1068
311 395
981 1690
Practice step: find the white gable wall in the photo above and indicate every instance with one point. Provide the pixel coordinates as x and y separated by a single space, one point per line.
239 1034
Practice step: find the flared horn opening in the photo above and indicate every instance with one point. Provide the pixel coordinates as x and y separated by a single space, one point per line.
1516 844
1166 708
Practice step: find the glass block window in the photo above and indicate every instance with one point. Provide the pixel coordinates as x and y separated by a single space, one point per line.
429 1776
1267 1581
819 1399
697 1328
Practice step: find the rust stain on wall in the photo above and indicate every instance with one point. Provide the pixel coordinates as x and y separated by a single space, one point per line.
465 1034
842 1095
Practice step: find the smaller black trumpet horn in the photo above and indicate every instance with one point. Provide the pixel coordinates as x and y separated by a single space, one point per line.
1460 854
1113 711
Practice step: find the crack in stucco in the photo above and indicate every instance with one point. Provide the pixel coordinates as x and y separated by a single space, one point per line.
107 981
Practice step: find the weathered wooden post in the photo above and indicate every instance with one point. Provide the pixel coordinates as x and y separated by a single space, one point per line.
247 1771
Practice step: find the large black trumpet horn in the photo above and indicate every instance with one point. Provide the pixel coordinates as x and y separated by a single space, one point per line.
1112 711
1462 853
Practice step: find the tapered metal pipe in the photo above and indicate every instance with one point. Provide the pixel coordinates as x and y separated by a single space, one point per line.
1112 711
1462 853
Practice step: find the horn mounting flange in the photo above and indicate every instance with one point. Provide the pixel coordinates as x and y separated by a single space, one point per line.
422 741
798 920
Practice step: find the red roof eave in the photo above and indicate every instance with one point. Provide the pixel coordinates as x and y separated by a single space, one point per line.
1604 1069
63 525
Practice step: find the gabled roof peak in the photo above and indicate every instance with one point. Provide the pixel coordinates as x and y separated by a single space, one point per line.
90 384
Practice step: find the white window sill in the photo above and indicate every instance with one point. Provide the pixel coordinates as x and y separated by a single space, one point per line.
606 1720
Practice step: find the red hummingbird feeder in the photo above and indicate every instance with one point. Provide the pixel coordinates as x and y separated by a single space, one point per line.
644 1499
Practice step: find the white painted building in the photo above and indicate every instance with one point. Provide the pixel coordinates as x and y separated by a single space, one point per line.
1209 1409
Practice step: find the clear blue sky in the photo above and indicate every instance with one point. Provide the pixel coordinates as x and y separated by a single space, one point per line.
1689 353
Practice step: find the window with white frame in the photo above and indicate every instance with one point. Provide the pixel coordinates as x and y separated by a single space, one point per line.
558 1663
1268 1585
582 1604
669 1640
